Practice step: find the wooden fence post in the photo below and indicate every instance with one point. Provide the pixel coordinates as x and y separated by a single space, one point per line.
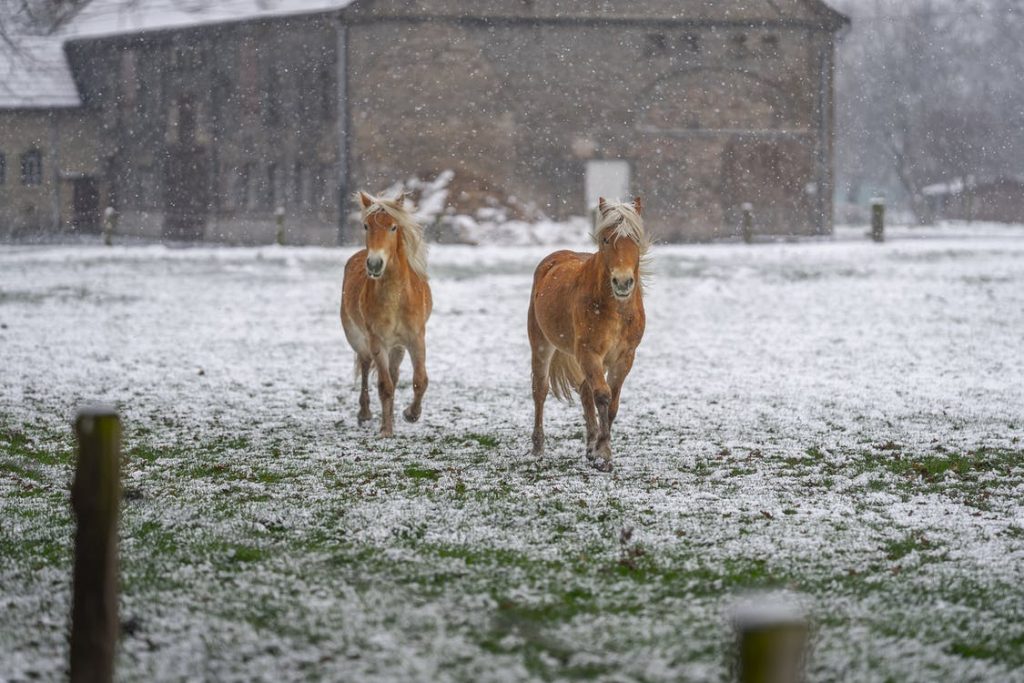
95 498
109 225
748 222
279 217
771 644
878 220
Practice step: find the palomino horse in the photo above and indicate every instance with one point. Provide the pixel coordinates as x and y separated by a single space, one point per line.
586 319
385 304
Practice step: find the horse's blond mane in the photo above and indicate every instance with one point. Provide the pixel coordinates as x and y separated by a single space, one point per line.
623 220
412 232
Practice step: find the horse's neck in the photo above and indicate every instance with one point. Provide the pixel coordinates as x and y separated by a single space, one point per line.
596 277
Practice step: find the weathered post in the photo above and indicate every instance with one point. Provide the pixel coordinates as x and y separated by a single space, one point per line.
748 222
878 219
279 217
95 498
109 225
969 199
771 643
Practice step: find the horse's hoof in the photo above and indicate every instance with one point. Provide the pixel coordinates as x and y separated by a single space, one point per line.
410 415
591 454
603 465
387 433
363 419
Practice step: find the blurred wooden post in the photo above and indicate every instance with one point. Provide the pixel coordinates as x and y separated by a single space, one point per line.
969 198
95 498
109 225
748 222
279 217
878 220
771 644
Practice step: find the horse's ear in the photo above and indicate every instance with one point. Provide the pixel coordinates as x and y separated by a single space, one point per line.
638 205
400 202
602 205
365 200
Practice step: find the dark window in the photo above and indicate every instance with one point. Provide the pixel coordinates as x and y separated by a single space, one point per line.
32 167
300 184
249 75
657 44
326 93
270 195
738 44
272 98
242 186
691 43
129 80
3 168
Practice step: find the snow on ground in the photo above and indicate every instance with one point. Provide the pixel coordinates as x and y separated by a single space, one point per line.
837 420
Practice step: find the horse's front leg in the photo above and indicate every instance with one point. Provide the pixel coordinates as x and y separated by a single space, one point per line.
593 371
418 355
589 418
616 376
385 387
365 362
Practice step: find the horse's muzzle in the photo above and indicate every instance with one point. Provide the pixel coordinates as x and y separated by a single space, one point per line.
622 288
375 267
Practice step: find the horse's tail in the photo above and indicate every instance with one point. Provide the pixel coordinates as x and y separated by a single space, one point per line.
565 376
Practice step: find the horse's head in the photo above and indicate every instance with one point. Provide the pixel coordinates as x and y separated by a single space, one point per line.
392 236
381 234
622 244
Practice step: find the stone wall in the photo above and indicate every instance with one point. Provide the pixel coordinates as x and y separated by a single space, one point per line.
709 114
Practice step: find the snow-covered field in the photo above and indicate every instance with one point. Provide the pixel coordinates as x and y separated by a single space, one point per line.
838 420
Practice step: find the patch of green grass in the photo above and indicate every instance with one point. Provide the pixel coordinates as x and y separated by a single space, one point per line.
899 548
419 473
965 465
485 440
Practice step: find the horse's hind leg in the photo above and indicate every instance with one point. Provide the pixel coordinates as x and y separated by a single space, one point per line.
418 355
590 418
540 366
364 391
395 362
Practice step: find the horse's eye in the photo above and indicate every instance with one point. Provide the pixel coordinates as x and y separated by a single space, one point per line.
606 240
366 226
394 227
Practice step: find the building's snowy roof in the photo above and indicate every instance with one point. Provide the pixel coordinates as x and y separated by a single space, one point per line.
102 18
34 70
34 74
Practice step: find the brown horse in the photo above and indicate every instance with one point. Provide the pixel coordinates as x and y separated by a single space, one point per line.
586 319
385 304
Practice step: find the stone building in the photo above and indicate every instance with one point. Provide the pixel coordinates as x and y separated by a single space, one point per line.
209 116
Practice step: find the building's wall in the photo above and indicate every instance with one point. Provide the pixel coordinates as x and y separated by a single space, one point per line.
263 98
518 106
66 141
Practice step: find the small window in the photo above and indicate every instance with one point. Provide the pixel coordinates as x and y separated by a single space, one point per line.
690 43
657 44
3 168
738 46
32 167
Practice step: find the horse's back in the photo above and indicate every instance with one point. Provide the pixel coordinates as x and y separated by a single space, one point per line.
560 262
